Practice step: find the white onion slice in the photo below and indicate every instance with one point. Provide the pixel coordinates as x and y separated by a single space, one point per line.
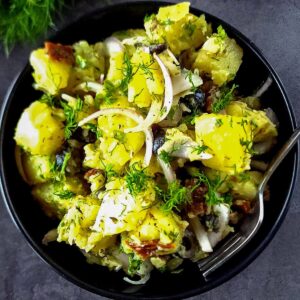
167 170
263 88
168 99
113 45
149 146
222 212
50 236
128 113
184 82
143 280
201 235
171 54
68 98
151 118
89 86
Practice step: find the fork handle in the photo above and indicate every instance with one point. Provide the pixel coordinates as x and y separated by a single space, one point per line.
279 157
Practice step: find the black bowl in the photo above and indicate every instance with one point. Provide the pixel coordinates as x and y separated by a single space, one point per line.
68 261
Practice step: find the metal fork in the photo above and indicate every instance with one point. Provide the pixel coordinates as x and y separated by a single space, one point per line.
253 222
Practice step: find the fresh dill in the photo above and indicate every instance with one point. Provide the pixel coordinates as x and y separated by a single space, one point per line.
148 17
127 74
65 194
221 33
58 167
23 20
226 96
189 75
71 116
109 171
147 70
248 146
134 264
94 128
175 197
110 92
199 149
80 61
48 99
165 157
212 197
219 122
120 136
166 22
190 28
136 179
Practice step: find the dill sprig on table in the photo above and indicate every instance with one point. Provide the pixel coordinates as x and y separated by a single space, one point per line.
25 20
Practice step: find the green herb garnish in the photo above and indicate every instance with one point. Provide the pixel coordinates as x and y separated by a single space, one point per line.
65 194
25 20
190 28
94 128
199 149
175 197
71 116
212 197
136 179
58 170
134 264
226 95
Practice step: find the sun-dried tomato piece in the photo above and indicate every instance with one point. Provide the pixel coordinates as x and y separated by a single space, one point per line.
60 52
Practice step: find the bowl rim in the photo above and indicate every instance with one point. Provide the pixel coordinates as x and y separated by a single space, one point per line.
119 295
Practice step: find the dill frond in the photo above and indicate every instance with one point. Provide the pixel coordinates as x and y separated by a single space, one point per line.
25 20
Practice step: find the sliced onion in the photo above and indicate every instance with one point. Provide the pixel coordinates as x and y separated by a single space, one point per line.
50 236
167 170
168 99
223 212
113 45
201 235
272 116
134 40
171 54
263 88
111 111
152 117
143 279
128 113
68 98
259 165
149 146
181 82
264 147
89 86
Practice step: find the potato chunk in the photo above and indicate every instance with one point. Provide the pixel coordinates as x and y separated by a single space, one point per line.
180 29
38 131
220 58
229 139
160 233
263 128
50 75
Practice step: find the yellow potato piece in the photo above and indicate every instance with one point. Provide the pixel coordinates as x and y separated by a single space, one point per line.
173 12
220 58
263 128
166 228
146 81
229 140
38 131
49 75
116 61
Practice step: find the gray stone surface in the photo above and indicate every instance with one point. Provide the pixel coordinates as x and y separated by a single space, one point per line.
275 274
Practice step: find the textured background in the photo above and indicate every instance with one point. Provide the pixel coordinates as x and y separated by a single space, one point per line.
274 27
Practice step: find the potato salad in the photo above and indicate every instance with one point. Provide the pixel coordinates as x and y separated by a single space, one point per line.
141 146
